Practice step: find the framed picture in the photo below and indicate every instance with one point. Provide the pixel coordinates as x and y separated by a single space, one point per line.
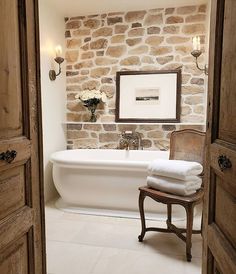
148 96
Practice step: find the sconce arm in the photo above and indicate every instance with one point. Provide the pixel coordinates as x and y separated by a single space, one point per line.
205 69
52 73
59 71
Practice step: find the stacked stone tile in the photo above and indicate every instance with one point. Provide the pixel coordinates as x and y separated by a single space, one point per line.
100 45
107 136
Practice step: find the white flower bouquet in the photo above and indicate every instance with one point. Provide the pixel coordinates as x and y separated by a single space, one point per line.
92 94
90 99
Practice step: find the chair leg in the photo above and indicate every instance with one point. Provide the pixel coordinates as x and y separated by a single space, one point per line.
202 223
142 215
189 211
169 212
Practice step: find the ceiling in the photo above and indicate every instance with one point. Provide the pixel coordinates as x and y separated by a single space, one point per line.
84 7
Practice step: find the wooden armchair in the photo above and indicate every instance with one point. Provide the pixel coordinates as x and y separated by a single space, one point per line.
186 145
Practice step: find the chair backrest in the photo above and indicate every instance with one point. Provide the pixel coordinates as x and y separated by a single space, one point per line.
188 145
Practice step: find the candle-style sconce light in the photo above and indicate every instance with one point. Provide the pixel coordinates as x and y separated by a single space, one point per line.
197 52
59 60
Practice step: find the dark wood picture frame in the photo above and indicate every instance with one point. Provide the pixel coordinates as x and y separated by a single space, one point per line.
144 120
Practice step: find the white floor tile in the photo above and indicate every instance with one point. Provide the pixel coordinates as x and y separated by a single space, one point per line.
63 231
110 235
118 261
68 258
51 212
85 244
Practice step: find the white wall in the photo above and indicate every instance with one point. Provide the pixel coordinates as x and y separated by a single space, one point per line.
207 52
53 92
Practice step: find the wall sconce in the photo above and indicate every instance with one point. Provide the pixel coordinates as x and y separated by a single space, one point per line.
52 73
196 53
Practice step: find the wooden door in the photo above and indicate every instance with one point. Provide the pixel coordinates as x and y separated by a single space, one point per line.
22 248
219 254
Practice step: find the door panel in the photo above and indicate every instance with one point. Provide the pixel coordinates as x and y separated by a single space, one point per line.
12 190
227 120
10 77
15 225
11 258
22 241
225 203
219 236
223 253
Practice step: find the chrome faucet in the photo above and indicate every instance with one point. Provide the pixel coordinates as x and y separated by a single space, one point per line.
130 140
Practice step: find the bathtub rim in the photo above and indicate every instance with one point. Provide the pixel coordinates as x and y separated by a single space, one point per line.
139 165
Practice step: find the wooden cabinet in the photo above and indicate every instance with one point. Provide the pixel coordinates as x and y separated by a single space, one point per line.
22 243
219 254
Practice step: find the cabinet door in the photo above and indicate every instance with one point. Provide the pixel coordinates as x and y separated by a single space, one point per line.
219 255
22 243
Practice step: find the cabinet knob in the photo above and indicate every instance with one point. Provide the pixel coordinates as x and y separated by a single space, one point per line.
224 162
8 156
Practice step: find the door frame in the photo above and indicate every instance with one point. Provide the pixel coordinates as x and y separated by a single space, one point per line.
40 135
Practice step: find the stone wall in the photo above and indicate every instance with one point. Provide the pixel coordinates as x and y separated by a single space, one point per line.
106 136
100 45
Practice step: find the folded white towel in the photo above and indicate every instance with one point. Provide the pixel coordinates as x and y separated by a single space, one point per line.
174 186
174 168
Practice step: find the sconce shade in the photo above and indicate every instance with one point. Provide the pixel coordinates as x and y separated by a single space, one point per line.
196 53
59 60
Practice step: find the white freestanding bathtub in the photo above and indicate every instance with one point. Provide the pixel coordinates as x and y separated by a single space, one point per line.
106 182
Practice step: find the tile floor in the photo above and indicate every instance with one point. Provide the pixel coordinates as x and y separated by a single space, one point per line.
85 244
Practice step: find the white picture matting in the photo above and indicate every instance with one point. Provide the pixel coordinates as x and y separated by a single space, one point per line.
160 101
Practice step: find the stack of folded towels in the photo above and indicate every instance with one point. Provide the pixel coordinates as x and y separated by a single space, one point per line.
175 176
